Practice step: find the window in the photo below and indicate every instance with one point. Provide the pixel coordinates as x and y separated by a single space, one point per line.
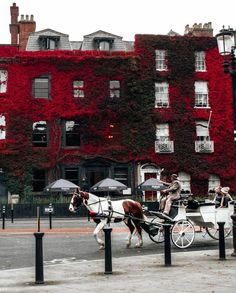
39 180
213 182
162 132
104 46
48 42
3 81
185 180
72 133
121 175
161 94
2 127
115 136
202 130
200 64
201 94
78 89
114 89
161 60
41 87
40 134
72 174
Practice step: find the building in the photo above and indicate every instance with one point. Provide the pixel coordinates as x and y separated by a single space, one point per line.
104 107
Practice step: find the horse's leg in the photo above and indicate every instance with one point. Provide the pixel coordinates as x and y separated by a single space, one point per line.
96 233
139 234
131 231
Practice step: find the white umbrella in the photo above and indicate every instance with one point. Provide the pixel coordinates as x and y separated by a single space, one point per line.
61 185
108 184
152 184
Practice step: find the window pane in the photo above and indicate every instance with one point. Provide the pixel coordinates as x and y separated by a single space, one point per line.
2 127
40 134
161 94
104 46
162 131
200 61
72 174
201 94
41 87
72 133
38 183
78 89
3 81
202 129
121 174
161 60
114 88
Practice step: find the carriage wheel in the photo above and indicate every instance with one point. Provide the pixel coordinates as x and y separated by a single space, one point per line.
159 238
214 232
182 233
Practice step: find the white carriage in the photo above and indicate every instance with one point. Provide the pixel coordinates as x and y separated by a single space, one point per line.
185 218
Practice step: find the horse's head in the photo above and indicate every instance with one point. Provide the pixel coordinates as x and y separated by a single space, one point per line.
77 200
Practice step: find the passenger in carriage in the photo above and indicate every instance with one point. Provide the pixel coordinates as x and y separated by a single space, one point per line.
171 193
222 197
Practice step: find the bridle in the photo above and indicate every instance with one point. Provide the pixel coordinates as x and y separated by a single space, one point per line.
86 204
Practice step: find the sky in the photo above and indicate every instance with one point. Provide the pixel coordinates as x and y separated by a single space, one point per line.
124 18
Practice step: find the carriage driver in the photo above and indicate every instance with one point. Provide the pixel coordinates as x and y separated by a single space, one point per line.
171 193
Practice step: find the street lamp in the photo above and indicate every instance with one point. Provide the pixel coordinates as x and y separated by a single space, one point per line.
226 41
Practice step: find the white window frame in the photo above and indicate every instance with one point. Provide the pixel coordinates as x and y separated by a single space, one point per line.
114 86
162 132
161 95
213 181
3 81
78 89
200 64
161 64
201 94
2 127
202 130
185 181
37 127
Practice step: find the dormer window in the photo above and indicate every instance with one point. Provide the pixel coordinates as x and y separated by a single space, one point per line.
103 44
49 42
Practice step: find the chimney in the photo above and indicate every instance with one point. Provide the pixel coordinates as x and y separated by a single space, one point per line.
199 30
14 26
27 25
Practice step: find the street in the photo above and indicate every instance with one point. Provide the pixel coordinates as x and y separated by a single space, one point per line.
72 240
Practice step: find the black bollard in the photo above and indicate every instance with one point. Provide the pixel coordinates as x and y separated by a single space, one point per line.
221 241
167 245
233 217
50 216
39 276
108 255
12 213
3 217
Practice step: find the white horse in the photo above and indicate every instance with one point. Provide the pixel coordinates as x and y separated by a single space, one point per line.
126 210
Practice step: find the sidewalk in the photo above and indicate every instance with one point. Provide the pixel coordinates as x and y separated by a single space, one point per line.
200 272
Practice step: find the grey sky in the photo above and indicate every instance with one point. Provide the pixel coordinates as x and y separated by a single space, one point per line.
121 17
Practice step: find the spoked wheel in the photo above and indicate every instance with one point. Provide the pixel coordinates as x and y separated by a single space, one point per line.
214 232
159 237
182 233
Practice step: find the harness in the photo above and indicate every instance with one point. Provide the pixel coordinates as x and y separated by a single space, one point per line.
100 214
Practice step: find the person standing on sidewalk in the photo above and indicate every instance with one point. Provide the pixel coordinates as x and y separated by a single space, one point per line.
171 193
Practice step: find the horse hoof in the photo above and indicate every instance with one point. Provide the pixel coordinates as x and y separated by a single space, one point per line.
127 245
101 247
138 246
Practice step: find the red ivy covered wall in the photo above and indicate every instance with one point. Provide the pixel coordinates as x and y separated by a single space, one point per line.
134 111
182 116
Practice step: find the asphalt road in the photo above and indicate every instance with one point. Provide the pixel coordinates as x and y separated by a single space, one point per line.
17 248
